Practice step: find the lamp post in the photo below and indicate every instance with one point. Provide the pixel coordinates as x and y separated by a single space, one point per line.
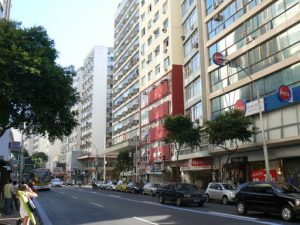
220 60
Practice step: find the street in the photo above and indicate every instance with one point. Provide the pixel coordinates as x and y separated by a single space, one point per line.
73 205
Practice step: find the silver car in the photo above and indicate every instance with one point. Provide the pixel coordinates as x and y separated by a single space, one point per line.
150 189
224 192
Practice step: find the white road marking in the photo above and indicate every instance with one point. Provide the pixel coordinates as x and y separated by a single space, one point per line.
74 196
97 204
146 221
211 213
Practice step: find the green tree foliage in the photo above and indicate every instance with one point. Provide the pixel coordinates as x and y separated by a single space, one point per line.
181 132
124 161
36 94
39 159
231 126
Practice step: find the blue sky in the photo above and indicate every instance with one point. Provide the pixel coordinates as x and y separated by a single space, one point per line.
75 25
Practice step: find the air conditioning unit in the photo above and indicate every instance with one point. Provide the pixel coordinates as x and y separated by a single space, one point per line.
249 39
217 3
164 30
195 45
147 61
218 17
183 37
166 69
154 20
165 50
164 11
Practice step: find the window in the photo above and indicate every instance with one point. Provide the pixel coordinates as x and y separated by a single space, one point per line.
143 16
143 64
149 8
166 43
157 69
166 24
165 7
156 33
166 62
143 32
157 51
149 58
156 17
149 75
149 40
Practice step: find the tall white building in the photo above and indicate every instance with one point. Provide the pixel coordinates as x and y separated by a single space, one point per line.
96 70
5 6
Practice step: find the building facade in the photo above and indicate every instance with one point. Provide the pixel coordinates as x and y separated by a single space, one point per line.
96 105
262 40
161 84
5 6
125 103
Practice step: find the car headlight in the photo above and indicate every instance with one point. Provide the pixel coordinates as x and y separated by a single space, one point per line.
297 202
187 196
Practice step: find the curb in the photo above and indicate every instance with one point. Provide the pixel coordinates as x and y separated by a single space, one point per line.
43 219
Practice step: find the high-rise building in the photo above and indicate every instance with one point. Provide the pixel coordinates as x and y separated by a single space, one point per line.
96 106
97 66
196 163
261 39
125 78
5 6
161 83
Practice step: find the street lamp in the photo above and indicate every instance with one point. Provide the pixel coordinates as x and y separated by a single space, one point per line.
219 59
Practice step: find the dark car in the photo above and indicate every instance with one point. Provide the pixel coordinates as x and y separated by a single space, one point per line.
180 193
134 188
269 197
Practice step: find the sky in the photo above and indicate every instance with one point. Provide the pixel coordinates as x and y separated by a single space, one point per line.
75 25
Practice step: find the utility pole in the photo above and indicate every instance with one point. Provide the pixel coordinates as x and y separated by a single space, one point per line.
21 160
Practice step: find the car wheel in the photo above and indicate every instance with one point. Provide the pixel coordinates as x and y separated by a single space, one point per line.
200 203
152 194
178 202
161 200
287 213
225 200
207 198
241 208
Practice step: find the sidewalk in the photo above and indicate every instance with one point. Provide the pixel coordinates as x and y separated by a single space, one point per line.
9 219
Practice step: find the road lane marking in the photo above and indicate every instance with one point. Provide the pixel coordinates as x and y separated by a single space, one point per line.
146 221
74 196
115 196
97 204
211 213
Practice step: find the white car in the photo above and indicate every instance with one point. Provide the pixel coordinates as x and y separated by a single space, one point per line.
221 191
56 183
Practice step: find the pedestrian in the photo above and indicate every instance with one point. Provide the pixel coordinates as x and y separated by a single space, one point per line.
14 194
30 184
25 194
7 195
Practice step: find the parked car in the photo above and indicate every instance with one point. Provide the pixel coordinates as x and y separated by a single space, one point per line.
121 186
111 186
150 189
134 188
104 185
269 197
181 193
56 183
70 183
221 191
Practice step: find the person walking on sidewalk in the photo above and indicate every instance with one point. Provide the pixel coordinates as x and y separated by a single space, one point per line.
14 194
8 202
25 194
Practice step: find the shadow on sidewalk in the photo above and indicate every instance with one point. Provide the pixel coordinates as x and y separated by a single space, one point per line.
9 219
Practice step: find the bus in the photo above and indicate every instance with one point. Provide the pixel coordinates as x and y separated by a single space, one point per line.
40 178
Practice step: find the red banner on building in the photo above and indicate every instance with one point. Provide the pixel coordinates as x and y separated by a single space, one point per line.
260 175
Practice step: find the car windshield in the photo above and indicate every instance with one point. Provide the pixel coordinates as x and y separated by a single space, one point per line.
286 188
229 187
185 187
56 180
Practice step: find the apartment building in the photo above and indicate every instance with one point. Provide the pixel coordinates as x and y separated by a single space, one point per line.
125 103
196 165
96 107
261 39
161 84
5 6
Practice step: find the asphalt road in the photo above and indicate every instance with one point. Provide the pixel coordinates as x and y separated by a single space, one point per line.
83 206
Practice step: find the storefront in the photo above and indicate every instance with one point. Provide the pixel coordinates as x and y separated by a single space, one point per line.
236 171
197 171
291 170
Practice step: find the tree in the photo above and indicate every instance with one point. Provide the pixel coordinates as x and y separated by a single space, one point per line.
124 161
231 126
181 132
36 94
39 159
